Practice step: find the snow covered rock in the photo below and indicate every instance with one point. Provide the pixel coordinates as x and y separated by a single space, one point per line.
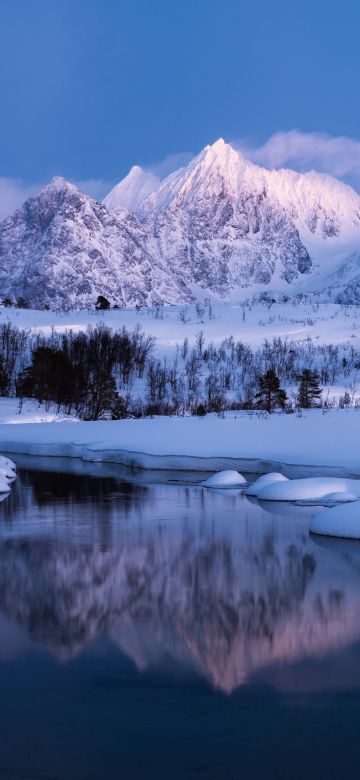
341 521
266 479
225 479
309 489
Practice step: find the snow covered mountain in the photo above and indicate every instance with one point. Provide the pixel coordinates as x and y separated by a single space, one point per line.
219 227
227 224
63 249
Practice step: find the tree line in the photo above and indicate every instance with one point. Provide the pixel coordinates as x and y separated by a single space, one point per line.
105 374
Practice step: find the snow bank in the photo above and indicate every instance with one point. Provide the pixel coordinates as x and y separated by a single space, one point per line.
327 443
342 521
309 489
266 479
225 479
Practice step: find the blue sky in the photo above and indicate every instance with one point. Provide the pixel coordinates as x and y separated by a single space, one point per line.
89 87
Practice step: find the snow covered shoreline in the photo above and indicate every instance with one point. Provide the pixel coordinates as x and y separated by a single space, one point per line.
326 444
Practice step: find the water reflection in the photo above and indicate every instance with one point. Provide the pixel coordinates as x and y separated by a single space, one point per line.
210 580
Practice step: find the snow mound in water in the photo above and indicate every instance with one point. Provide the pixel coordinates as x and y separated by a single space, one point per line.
7 468
225 479
266 479
7 474
309 489
342 521
340 497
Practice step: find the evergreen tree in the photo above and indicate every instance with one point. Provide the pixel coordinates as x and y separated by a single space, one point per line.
270 395
102 303
21 303
309 394
101 399
50 377
4 379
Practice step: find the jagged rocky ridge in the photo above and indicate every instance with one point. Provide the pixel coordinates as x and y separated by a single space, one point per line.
220 227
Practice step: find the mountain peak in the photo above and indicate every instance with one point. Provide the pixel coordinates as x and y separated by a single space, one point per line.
220 150
218 145
136 170
131 191
60 184
220 159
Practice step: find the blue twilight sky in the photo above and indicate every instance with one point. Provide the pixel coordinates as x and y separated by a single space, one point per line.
90 87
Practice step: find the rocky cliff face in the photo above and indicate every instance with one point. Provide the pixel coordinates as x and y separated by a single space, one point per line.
219 227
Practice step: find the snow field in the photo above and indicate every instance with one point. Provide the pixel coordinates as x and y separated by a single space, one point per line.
250 322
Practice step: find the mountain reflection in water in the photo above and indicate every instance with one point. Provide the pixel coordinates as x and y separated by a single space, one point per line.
215 583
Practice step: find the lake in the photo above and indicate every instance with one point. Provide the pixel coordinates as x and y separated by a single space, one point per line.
154 629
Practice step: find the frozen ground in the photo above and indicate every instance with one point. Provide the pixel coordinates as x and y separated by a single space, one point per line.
327 443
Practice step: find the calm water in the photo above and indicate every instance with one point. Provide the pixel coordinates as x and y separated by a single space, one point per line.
165 631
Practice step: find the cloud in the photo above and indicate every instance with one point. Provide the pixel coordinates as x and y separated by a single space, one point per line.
338 156
13 192
169 164
97 188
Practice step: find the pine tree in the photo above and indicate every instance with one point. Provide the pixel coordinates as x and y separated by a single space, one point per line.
270 395
102 303
309 394
21 303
